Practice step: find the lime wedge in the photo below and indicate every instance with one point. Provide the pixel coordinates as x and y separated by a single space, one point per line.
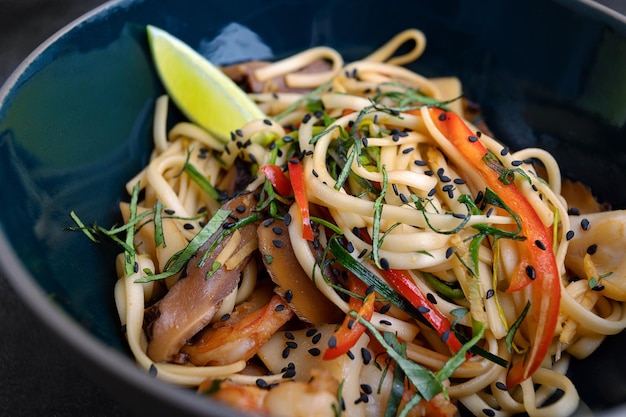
200 90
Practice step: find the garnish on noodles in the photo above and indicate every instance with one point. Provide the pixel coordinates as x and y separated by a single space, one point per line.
364 249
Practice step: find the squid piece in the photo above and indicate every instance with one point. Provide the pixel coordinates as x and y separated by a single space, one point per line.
193 301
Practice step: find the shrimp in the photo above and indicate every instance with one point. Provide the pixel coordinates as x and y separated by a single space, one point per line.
240 340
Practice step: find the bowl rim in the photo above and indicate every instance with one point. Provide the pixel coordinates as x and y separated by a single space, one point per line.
66 329
77 338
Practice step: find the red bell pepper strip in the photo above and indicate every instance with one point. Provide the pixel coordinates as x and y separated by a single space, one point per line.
277 178
348 334
537 267
402 281
296 175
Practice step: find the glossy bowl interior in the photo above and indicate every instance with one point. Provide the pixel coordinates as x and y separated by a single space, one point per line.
75 124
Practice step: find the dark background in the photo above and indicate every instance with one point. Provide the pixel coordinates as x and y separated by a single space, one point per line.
37 374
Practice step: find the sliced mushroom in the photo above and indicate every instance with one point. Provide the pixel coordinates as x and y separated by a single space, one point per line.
193 301
243 74
307 301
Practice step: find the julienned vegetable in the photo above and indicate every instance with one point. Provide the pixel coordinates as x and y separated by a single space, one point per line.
365 272
537 264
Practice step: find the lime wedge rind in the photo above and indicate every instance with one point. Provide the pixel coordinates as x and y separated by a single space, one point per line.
202 92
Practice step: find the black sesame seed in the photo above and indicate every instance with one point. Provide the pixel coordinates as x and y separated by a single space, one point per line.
407 150
268 222
403 198
311 331
573 211
351 324
350 355
362 253
169 211
289 335
429 172
292 345
350 247
153 371
384 263
286 353
314 351
540 244
584 223
442 117
287 219
472 138
385 322
289 373
459 181
278 230
366 388
569 235
504 151
431 297
423 309
306 118
225 317
280 307
136 267
288 296
489 212
432 192
449 252
490 293
315 174
239 133
188 226
479 197
316 338
278 243
261 383
598 288
445 336
530 271
592 249
501 385
332 342
489 412
385 309
516 163
267 122
419 163
366 355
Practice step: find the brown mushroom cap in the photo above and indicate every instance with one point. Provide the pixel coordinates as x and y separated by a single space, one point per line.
193 301
307 300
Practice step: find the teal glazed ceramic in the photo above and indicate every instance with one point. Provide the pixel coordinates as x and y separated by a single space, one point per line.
75 124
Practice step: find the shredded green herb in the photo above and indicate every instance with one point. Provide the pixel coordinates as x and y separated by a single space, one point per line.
178 261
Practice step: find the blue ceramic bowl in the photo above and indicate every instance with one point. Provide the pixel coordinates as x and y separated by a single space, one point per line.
75 124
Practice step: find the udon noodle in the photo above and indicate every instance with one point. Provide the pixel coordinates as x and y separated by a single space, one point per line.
359 156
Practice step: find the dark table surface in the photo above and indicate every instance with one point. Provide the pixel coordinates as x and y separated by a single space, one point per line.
32 361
